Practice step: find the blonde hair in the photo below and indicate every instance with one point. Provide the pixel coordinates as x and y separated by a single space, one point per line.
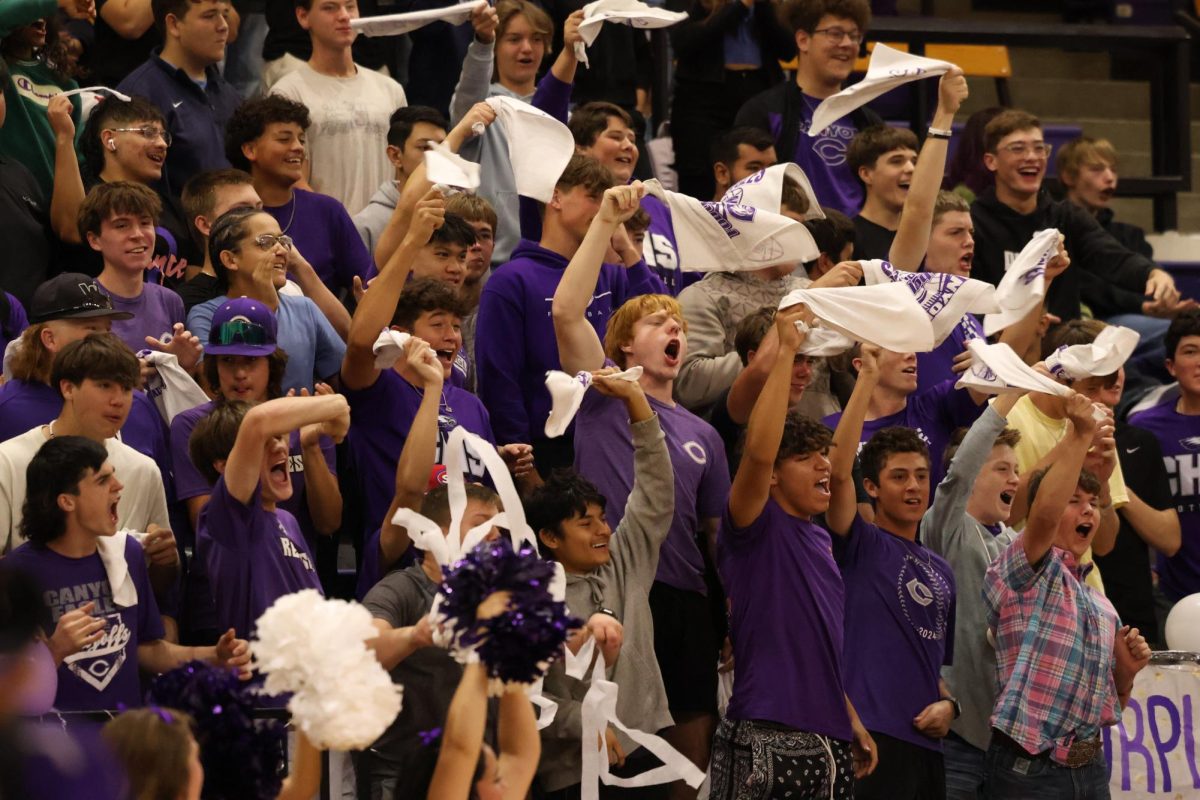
947 202
1078 153
620 324
154 746
31 361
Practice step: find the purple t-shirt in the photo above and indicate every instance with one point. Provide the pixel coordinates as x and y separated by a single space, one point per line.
254 557
380 417
786 605
604 455
105 674
325 235
934 414
155 312
190 482
899 628
823 158
1179 436
934 367
25 405
15 322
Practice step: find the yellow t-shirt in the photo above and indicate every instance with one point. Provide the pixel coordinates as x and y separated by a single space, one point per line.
1039 435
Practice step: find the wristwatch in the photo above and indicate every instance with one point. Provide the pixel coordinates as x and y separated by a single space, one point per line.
957 708
609 612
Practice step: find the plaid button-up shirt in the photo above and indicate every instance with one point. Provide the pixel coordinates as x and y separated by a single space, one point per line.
1054 651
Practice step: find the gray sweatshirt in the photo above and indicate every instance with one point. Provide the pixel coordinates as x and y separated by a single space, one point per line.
374 217
948 530
496 182
622 585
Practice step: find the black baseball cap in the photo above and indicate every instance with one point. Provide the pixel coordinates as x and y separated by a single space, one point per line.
71 295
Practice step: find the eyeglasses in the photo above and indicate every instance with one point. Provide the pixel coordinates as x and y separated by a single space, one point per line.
148 132
238 331
267 241
1022 149
839 35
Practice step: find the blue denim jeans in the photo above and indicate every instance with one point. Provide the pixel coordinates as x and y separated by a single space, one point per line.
964 768
1012 776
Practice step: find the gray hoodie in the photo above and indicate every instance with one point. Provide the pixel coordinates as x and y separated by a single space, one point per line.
948 530
374 217
622 585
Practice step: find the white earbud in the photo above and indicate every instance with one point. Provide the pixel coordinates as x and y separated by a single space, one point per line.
112 145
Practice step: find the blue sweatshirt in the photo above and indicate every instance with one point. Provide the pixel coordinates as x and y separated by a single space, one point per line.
514 337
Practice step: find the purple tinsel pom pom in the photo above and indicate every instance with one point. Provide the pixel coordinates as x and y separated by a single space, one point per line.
518 645
242 756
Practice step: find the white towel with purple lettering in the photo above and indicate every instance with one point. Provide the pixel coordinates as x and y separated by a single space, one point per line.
1024 283
1112 348
886 70
885 314
627 12
730 237
945 298
764 190
539 146
396 24
996 368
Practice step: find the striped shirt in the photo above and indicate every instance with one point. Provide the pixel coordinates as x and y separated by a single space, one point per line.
1054 651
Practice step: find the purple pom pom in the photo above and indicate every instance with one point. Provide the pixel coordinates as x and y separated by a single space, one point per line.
242 757
516 645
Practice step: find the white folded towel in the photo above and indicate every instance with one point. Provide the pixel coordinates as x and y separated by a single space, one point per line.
539 146
1024 283
627 12
885 314
1112 348
764 190
396 24
389 347
444 166
566 395
112 555
945 298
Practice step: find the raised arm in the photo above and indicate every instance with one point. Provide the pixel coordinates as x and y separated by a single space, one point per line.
565 65
520 744
304 771
68 183
752 483
1059 482
842 505
378 304
579 347
420 449
129 18
322 494
916 220
475 78
273 418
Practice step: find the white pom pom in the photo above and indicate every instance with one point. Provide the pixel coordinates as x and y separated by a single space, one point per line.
316 648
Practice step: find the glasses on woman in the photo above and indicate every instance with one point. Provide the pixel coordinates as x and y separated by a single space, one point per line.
838 35
267 241
149 132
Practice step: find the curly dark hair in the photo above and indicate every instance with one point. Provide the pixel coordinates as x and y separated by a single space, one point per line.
1186 324
422 295
251 119
565 494
886 442
55 55
803 15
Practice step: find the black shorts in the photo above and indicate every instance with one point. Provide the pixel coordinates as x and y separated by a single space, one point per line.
686 646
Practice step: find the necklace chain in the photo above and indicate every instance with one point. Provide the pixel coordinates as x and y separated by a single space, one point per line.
292 216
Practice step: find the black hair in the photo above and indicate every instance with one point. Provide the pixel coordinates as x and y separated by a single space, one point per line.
423 295
1186 324
565 494
276 367
111 112
227 233
724 149
405 119
832 233
886 442
250 121
56 468
454 230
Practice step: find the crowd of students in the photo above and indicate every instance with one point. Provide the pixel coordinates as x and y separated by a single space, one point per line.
919 591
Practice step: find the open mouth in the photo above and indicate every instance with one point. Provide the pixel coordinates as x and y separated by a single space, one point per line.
912 501
294 161
822 486
137 250
1107 194
1029 172
157 158
1006 498
1084 529
112 512
966 260
671 351
910 370
626 160
600 546
445 356
904 185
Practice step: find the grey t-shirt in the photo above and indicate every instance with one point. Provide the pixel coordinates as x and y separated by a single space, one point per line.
399 764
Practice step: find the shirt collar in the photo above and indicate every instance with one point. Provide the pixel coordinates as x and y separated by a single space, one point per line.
1079 570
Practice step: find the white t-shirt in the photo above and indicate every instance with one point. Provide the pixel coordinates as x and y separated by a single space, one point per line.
143 500
347 141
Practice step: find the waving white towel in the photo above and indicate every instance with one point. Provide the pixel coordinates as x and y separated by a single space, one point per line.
945 298
171 388
444 166
396 24
598 712
389 347
886 70
566 394
728 237
97 90
1112 347
539 146
627 12
1024 283
996 368
764 190
822 342
885 314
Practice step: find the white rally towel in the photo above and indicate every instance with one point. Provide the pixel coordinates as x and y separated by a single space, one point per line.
945 298
389 347
112 556
396 24
728 237
885 314
566 395
444 166
170 387
996 368
539 146
598 712
97 90
1024 283
627 12
764 190
886 70
1112 348
821 342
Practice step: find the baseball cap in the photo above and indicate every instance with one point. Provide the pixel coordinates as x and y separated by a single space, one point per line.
242 327
71 295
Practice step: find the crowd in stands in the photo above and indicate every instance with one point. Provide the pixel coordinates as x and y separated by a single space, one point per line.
915 590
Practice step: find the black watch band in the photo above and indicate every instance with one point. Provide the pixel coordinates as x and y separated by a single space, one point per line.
609 612
957 707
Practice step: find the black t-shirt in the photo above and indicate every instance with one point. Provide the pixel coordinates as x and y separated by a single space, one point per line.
1126 570
729 431
25 231
114 57
199 289
871 240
